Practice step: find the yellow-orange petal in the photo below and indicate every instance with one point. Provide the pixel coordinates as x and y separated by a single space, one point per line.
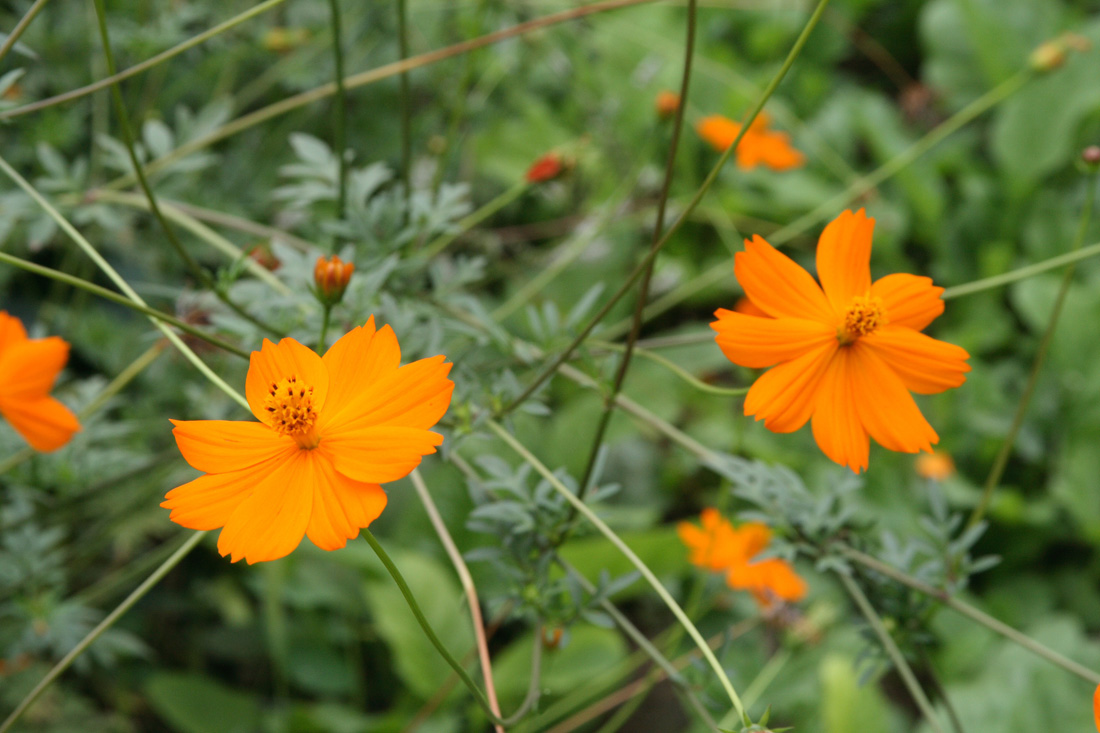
356 364
276 362
885 407
28 369
844 258
210 500
778 285
43 422
836 425
772 577
378 454
763 342
341 507
221 446
719 132
752 538
748 308
771 149
11 332
924 364
784 397
414 396
1096 707
272 520
910 300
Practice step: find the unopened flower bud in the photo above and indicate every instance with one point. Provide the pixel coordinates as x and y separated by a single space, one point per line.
666 103
1090 156
331 276
935 466
1052 54
547 168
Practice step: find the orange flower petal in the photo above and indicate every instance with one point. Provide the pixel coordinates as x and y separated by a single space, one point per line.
356 363
770 577
763 342
753 537
778 286
28 369
414 396
836 425
221 446
910 300
885 407
341 507
718 131
44 422
748 308
1096 707
378 454
271 521
771 149
844 258
210 500
276 362
924 364
784 397
11 331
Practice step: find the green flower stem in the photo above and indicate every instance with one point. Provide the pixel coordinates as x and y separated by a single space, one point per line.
630 555
144 65
647 274
321 344
564 356
114 297
973 614
471 220
115 386
674 368
832 206
369 77
340 121
892 650
1007 278
426 627
999 463
128 138
118 280
406 108
137 594
21 26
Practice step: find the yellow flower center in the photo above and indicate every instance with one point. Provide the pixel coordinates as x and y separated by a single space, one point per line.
290 404
864 315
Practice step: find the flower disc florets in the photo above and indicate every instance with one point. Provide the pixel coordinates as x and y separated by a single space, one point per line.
290 403
864 316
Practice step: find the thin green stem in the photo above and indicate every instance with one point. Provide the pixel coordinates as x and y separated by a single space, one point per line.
973 614
103 625
674 368
607 532
118 280
114 297
406 108
21 26
892 650
321 343
128 138
699 194
941 692
647 275
1007 278
1001 461
339 124
471 220
410 599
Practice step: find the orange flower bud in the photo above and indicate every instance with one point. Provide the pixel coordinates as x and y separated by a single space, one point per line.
1052 54
262 255
547 168
331 277
935 466
666 103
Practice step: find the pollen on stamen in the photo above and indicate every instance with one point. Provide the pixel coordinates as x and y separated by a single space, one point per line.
291 406
864 316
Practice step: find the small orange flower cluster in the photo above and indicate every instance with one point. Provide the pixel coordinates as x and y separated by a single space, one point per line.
718 546
759 145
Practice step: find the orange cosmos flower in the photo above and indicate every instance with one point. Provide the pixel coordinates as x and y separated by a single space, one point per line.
1096 707
759 146
935 466
28 369
846 353
666 103
331 430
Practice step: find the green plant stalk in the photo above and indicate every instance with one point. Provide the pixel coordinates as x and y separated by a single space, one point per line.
103 625
321 343
760 683
114 297
973 614
406 108
647 275
1005 451
630 555
1022 273
128 137
471 220
339 124
410 599
369 77
119 281
549 370
674 368
830 207
144 65
115 386
892 650
21 26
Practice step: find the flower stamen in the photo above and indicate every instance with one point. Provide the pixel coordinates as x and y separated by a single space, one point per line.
290 403
864 316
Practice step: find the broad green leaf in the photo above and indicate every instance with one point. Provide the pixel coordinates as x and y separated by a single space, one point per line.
193 703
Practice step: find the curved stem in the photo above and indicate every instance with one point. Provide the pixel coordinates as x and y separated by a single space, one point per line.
103 625
675 368
1009 442
339 124
406 108
892 650
1022 273
21 26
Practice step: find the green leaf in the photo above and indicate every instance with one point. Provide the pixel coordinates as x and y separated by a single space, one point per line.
847 706
192 703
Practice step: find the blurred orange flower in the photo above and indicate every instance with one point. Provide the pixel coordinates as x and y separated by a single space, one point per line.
666 103
718 546
546 168
759 146
935 466
331 430
28 370
1096 707
846 353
